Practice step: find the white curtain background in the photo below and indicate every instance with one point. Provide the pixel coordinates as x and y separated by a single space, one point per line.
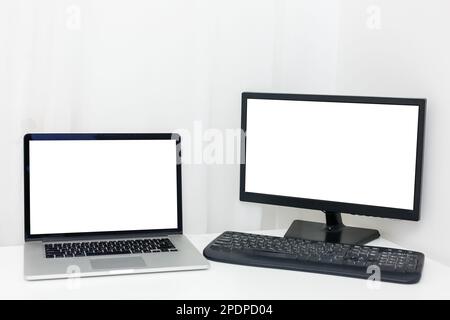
163 65
149 66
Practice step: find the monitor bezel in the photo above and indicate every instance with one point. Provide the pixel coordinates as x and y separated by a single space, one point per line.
99 136
333 206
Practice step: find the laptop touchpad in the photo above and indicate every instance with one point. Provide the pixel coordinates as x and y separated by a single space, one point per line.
118 263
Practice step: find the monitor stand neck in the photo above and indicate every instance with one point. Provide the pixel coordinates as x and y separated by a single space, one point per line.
333 221
332 231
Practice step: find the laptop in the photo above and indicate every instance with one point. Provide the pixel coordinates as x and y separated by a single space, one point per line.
104 204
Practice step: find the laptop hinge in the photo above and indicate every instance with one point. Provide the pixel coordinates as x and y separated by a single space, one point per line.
106 237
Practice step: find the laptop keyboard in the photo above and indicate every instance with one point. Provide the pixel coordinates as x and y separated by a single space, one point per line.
101 248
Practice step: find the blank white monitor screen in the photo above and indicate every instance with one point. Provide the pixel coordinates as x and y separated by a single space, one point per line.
102 185
345 152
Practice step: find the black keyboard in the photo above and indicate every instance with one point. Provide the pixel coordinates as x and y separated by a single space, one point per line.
394 265
100 248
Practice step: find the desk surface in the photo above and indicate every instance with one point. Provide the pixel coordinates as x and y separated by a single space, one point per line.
221 281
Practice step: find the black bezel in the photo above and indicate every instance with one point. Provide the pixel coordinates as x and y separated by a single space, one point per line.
359 209
100 136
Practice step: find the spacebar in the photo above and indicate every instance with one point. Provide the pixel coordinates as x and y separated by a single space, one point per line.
267 253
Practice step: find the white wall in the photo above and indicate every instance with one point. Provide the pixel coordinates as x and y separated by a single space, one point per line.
123 66
262 46
408 56
161 65
143 66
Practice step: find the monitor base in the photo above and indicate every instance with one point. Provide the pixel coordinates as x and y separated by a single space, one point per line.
333 231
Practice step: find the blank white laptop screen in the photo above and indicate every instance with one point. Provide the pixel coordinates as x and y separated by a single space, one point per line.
102 185
345 152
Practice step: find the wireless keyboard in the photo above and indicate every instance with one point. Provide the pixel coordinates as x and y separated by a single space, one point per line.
358 261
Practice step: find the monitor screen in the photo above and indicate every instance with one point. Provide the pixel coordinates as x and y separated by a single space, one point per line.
357 153
79 186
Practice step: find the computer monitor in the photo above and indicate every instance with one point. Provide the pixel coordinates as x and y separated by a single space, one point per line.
337 154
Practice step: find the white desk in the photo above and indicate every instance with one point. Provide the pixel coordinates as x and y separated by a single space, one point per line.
221 281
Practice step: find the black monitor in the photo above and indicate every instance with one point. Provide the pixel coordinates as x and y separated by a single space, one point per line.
337 154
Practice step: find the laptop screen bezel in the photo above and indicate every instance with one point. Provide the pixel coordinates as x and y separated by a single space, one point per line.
99 136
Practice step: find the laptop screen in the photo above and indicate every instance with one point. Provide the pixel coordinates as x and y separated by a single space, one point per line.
79 186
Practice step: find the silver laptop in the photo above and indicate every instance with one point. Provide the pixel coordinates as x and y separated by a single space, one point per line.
104 204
